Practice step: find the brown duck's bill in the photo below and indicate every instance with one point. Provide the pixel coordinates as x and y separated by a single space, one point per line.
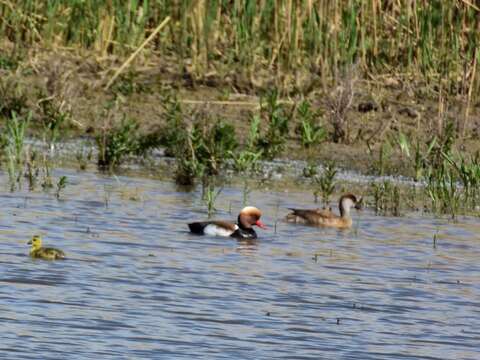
359 204
260 224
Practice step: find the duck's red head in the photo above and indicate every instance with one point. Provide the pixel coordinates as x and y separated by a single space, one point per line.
250 216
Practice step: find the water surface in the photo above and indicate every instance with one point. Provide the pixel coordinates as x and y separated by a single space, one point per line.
137 285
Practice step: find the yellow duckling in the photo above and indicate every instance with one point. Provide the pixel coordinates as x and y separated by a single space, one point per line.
39 252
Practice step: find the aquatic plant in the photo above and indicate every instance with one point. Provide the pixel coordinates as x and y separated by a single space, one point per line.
16 128
468 170
253 132
247 159
47 180
200 146
32 171
452 186
435 238
61 184
188 166
311 169
449 178
311 132
210 195
84 155
117 142
215 144
443 191
246 190
325 183
421 156
386 198
272 142
181 140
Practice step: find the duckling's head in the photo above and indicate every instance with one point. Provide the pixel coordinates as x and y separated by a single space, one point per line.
36 242
348 201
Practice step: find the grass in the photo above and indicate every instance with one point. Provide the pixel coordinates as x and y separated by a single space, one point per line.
432 38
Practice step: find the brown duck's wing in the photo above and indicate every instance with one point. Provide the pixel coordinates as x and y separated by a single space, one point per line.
309 216
326 214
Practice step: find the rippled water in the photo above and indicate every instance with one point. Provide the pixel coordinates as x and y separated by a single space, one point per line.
138 285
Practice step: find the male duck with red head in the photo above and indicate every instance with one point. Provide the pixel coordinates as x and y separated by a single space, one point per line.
324 217
243 229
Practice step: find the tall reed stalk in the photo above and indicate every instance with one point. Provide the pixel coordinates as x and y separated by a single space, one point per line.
434 39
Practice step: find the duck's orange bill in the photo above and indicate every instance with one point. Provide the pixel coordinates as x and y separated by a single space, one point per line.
260 224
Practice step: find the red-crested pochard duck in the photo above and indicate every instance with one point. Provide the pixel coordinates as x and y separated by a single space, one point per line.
324 217
243 229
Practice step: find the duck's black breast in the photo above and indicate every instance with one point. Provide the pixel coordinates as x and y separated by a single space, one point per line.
244 234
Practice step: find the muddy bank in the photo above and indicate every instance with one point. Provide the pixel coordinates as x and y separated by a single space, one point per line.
382 109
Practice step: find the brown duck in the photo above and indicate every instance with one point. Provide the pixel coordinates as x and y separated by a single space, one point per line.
325 217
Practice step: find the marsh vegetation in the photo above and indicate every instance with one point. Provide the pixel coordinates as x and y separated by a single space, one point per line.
378 88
